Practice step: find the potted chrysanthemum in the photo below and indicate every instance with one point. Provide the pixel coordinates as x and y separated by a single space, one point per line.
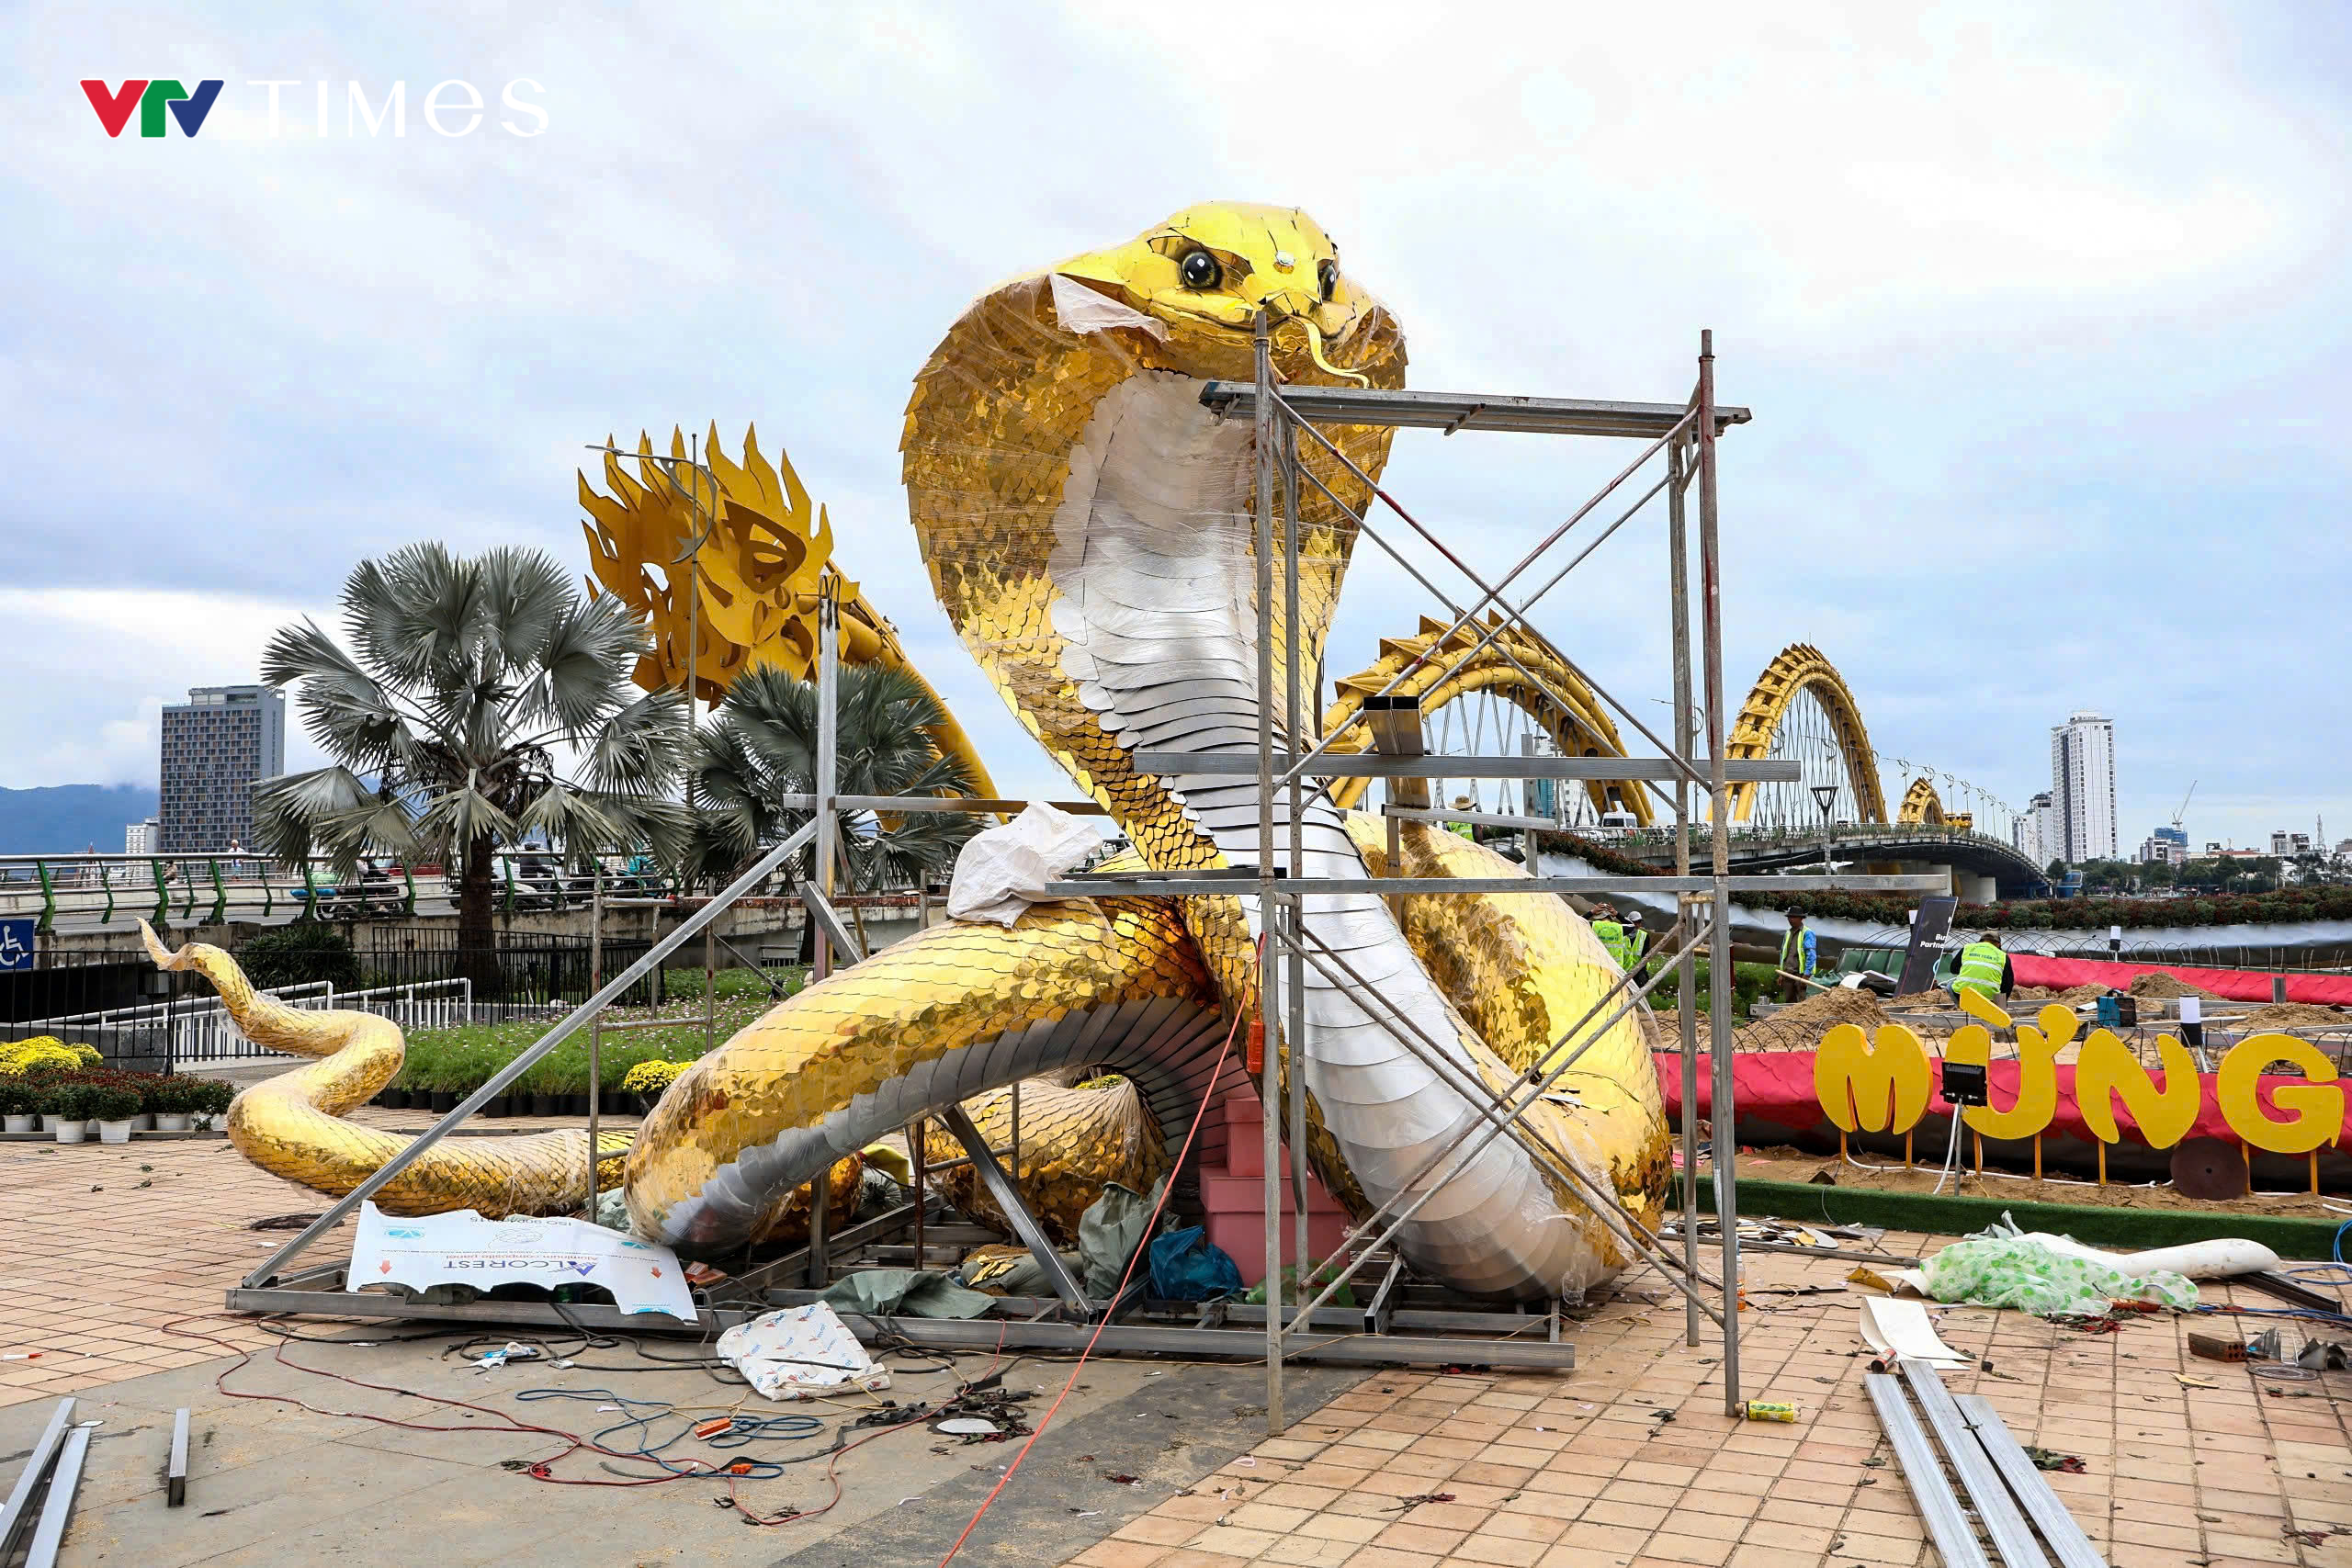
115 1108
66 1111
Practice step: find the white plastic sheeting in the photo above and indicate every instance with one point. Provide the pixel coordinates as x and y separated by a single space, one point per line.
1006 869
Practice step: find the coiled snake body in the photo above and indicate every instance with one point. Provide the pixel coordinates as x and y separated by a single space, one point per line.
1089 529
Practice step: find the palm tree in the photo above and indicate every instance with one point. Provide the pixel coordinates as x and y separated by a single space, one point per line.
761 746
482 700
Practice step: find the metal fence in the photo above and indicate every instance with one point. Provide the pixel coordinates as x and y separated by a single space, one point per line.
191 1031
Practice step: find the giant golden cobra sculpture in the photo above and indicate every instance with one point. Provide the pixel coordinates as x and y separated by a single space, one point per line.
1088 527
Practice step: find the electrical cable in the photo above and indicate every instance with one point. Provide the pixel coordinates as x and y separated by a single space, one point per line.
1952 1155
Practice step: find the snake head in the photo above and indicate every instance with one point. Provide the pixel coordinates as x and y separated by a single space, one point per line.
1208 270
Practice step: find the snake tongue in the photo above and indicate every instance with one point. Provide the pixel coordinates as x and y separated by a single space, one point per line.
1315 352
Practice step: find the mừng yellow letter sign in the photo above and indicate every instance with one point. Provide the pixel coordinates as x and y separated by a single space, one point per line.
1868 1090
2108 1068
2317 1104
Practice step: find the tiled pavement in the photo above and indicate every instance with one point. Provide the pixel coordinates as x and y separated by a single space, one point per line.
105 1244
1629 1462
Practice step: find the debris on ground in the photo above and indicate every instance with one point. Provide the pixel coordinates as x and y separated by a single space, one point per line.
2051 1458
2215 1348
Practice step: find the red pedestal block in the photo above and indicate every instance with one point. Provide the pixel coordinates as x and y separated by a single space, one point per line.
1234 1196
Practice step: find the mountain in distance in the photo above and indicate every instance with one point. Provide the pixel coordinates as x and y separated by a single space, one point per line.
71 819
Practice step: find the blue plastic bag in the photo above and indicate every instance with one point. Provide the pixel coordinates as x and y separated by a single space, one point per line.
1187 1267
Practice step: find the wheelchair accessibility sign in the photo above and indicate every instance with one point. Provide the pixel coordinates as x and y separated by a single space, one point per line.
16 944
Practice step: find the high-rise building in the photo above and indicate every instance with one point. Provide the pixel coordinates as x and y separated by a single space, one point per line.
2034 830
143 838
2169 845
2082 787
215 745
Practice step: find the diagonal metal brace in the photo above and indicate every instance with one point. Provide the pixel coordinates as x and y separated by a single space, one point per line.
1008 1197
829 919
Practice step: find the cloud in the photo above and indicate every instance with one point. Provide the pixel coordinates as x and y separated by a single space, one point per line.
94 668
2038 310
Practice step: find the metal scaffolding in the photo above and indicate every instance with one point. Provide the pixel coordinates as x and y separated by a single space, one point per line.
1682 436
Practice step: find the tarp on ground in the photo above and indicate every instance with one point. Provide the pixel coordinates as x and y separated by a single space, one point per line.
1775 1088
2237 984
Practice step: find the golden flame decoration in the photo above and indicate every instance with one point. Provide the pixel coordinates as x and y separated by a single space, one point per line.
755 576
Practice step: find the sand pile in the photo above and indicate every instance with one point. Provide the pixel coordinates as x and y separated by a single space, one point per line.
2292 1018
2165 986
1800 1027
2073 996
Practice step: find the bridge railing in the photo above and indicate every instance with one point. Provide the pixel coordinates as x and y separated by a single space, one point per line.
97 892
1658 843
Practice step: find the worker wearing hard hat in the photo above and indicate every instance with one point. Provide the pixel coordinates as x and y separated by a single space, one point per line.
1622 935
1799 956
1985 968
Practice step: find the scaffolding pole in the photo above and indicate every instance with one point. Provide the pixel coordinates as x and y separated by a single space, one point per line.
1724 1140
1270 1099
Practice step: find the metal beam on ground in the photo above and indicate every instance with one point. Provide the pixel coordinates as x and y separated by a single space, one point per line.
2041 1505
1955 1541
57 1508
176 1468
2012 1537
16 1513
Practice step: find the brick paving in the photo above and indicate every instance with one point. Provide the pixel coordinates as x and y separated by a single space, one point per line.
1628 1462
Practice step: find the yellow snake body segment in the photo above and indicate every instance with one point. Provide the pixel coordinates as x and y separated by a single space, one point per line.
945 1015
292 1125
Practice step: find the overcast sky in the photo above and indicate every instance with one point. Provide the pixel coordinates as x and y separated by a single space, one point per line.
2035 315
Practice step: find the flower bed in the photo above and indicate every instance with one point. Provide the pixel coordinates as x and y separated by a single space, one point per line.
66 1081
444 1066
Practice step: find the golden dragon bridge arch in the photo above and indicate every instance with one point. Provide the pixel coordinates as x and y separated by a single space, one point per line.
1921 804
1513 666
1800 684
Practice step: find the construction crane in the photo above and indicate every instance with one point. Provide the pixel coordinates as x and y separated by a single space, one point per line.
2184 803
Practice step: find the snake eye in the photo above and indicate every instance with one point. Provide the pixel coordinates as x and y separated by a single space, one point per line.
1199 270
1327 275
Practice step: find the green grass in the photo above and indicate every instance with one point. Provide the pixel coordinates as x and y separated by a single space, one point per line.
461 1059
1751 983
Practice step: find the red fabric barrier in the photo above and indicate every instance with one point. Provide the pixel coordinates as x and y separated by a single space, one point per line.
1776 1087
2237 984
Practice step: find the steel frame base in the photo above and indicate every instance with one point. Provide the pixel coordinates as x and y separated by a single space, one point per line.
1169 1336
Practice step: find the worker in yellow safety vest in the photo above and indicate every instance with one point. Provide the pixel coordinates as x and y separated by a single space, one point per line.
1612 932
1463 803
1799 954
1985 968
